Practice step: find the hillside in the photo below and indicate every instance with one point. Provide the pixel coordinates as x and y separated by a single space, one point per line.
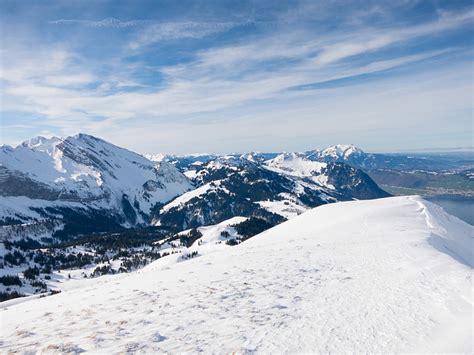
79 177
275 190
65 187
387 275
81 207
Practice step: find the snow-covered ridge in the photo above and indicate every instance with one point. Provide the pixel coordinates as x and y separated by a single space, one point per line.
87 169
338 152
187 196
282 186
298 165
386 275
214 238
295 164
156 157
127 186
341 150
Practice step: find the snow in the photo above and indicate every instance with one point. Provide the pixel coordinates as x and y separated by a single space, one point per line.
181 200
89 168
186 197
295 164
191 174
212 240
286 208
23 207
340 151
156 157
45 163
379 276
212 235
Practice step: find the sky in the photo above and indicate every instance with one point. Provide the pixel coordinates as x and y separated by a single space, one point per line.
236 76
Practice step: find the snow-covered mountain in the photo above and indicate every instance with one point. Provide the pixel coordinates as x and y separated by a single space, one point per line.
275 189
354 156
80 173
83 184
335 176
382 276
338 152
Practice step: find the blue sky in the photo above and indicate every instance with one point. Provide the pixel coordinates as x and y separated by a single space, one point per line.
227 76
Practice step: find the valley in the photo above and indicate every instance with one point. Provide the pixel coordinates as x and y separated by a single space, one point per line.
92 209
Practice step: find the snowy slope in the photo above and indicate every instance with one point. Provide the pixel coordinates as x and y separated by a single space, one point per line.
274 189
387 275
341 151
88 170
297 165
214 238
337 152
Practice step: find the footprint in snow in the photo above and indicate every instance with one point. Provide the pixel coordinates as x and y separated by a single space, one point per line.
24 333
62 348
158 338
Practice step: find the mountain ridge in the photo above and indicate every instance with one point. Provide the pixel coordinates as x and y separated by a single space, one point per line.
129 189
403 291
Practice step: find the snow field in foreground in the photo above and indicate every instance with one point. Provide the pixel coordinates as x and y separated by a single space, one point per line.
387 275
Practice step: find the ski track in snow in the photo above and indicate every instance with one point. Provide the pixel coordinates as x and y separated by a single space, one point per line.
348 277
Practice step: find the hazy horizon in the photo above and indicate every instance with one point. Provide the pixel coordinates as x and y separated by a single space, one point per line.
454 150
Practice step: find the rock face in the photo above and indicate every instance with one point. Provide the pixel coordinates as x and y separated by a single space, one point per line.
87 184
275 189
87 171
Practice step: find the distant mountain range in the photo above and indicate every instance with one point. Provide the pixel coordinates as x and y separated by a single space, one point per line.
426 174
349 154
369 161
275 189
83 184
80 207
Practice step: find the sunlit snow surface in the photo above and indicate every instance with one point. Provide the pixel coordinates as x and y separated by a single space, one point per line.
92 171
388 275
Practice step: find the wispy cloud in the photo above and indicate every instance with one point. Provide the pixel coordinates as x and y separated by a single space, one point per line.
168 31
231 82
153 31
105 23
218 79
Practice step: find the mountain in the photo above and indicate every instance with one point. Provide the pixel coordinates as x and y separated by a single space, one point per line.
339 152
190 161
82 176
354 156
274 190
382 276
341 178
83 184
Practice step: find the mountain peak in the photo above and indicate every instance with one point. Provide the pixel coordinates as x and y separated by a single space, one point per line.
86 138
341 151
156 157
289 156
41 143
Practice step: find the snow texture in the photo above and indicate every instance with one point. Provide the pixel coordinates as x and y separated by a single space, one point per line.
379 276
92 171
